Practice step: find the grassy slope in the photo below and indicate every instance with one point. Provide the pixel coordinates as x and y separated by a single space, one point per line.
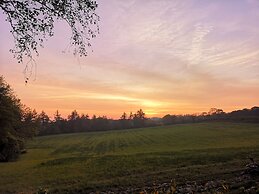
131 157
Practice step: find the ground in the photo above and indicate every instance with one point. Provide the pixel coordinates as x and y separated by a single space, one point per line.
135 158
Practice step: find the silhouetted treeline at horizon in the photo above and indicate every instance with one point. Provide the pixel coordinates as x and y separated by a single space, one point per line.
76 123
83 123
18 123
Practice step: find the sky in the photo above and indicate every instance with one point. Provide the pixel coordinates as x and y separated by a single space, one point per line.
166 57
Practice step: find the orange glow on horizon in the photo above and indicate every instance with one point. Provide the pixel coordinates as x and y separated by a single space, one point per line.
150 57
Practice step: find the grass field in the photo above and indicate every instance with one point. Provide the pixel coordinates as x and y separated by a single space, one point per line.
102 160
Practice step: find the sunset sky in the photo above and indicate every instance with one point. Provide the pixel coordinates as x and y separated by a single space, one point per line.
166 56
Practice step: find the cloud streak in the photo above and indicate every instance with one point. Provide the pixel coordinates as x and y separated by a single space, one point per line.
162 56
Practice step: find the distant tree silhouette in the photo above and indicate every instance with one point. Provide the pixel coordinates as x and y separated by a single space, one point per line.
125 122
139 118
30 123
100 123
215 111
73 122
57 126
44 122
169 119
83 123
123 116
245 115
73 116
44 118
57 116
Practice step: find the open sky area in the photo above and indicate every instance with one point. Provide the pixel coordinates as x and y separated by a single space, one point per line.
166 56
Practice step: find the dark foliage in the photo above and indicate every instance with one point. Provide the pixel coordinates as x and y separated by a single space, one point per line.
76 123
17 123
32 21
214 114
245 115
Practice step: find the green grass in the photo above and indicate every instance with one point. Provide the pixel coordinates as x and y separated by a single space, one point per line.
101 160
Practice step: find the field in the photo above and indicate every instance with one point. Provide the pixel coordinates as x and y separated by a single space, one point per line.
131 158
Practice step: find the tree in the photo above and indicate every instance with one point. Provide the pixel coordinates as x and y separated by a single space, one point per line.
10 116
168 119
57 116
32 21
123 116
73 121
58 120
17 123
84 122
73 116
140 114
30 123
131 116
215 111
44 118
124 122
44 122
139 118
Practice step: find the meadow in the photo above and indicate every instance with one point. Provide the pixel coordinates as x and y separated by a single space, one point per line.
95 161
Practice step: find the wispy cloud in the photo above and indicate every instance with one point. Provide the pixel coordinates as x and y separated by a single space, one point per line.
199 34
162 56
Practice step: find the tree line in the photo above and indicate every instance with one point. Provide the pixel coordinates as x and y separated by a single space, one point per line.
214 114
83 123
19 123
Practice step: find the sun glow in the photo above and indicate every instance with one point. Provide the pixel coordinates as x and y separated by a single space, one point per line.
173 57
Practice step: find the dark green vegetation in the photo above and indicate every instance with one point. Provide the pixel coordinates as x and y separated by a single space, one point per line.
135 157
17 123
83 123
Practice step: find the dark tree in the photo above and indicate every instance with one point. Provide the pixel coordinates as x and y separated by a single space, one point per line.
58 121
124 121
139 118
84 122
17 123
32 21
30 123
169 119
73 116
99 123
123 116
44 122
10 116
215 111
131 116
44 118
57 116
73 121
